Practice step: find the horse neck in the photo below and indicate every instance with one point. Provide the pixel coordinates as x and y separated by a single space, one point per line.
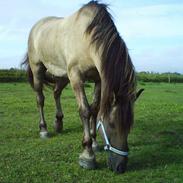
104 102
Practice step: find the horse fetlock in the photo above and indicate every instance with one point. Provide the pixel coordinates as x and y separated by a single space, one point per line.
43 130
58 125
87 143
95 146
42 126
59 117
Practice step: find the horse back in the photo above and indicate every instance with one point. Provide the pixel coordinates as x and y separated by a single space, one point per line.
61 44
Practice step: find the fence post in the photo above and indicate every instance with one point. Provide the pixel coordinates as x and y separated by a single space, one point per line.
169 79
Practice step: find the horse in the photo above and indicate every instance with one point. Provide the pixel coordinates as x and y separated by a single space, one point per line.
86 46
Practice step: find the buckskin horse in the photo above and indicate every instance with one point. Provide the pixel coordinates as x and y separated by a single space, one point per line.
86 45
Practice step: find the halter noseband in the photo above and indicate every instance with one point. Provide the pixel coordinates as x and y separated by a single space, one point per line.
108 146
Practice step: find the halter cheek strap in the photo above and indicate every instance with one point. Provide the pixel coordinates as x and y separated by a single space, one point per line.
108 146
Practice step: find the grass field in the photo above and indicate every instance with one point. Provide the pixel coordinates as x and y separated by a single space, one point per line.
155 142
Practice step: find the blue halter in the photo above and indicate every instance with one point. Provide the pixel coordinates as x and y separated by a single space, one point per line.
108 146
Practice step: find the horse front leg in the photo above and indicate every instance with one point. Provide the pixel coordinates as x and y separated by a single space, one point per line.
94 111
87 157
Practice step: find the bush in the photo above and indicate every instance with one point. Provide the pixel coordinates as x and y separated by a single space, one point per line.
157 77
12 75
17 75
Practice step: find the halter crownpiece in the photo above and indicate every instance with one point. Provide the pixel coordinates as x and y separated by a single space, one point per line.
108 146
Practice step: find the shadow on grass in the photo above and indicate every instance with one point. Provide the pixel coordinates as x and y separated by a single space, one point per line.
68 130
101 165
166 150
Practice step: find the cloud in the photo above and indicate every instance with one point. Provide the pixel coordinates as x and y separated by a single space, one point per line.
169 59
13 40
154 35
64 8
11 61
153 30
151 21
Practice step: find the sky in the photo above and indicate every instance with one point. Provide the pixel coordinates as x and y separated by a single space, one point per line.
152 29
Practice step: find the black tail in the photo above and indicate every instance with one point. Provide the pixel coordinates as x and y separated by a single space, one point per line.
48 79
26 65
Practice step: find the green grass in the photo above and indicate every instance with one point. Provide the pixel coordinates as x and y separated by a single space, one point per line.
156 140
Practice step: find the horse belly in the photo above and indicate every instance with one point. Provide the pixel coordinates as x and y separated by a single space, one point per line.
56 70
92 74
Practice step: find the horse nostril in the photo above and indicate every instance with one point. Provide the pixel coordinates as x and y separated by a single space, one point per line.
120 168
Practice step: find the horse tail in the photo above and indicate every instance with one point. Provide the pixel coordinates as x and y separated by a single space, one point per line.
48 79
29 73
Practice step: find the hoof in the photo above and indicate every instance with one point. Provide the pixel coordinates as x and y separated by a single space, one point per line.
87 164
87 161
44 135
58 127
95 146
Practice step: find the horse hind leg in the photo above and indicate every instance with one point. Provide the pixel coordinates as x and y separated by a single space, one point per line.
38 77
59 86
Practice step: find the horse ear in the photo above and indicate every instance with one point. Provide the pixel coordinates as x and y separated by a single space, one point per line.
139 93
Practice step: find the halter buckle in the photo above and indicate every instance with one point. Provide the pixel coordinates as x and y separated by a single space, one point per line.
107 147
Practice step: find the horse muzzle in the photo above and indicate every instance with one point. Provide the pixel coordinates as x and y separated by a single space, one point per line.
117 163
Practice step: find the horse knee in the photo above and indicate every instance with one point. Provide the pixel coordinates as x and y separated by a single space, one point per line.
85 112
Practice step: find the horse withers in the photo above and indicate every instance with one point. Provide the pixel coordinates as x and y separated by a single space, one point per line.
86 45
